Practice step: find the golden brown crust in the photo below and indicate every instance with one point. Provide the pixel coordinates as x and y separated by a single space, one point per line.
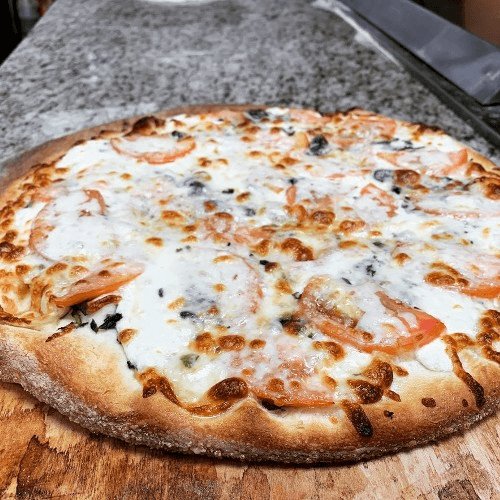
91 384
87 379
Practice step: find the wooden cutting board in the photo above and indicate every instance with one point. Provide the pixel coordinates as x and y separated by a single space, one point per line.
43 455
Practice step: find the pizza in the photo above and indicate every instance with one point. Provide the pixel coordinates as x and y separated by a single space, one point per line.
255 282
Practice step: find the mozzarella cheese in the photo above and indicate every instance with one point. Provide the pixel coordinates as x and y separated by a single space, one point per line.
219 241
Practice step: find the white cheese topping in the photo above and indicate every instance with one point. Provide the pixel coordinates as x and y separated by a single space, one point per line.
235 226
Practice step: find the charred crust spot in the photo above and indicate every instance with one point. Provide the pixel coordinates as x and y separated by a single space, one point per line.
131 365
366 392
228 389
358 418
429 402
388 414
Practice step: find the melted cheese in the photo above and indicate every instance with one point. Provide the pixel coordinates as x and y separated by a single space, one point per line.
230 233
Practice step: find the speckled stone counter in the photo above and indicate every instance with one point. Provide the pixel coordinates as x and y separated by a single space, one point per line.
91 61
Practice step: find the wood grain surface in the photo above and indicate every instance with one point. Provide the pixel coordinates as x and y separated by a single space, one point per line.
43 455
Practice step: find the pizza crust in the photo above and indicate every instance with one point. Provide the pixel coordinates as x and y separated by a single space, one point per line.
87 380
96 390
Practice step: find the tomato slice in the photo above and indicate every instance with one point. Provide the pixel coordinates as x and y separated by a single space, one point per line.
154 150
381 197
337 309
101 282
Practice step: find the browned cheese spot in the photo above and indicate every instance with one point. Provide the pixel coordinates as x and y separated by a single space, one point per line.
172 216
146 125
64 330
152 382
392 395
380 373
157 242
126 335
78 270
204 162
271 267
10 236
262 248
401 258
257 344
350 226
406 177
429 402
358 418
10 252
489 332
297 249
209 206
22 269
334 350
346 244
444 275
465 403
205 343
400 372
229 389
219 287
177 303
276 385
243 197
473 385
282 286
492 189
323 217
329 382
10 319
231 342
97 304
366 392
292 325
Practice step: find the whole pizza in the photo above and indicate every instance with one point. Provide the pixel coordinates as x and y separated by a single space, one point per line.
255 282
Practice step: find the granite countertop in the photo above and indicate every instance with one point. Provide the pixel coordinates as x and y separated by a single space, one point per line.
92 61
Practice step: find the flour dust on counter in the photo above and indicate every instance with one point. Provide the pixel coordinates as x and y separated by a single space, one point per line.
263 283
